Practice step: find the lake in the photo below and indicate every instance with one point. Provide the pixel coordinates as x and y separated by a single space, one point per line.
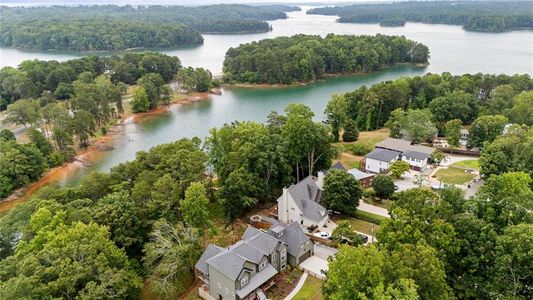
452 50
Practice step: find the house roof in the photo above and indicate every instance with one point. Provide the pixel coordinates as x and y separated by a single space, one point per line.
261 240
358 174
307 196
257 280
227 263
415 154
383 155
209 252
403 146
247 251
293 236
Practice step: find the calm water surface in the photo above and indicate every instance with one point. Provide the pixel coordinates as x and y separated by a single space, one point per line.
452 49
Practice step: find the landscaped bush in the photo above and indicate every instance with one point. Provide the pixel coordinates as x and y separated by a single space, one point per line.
359 148
368 193
369 217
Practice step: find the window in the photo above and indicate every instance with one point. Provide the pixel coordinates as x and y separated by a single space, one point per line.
219 285
262 265
244 281
227 291
283 266
274 256
283 254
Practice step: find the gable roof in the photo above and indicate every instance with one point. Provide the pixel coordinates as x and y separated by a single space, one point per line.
307 196
209 252
358 174
261 240
415 154
383 155
293 236
227 263
403 146
247 251
257 280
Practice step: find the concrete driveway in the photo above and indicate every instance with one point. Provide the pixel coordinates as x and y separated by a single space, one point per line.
317 263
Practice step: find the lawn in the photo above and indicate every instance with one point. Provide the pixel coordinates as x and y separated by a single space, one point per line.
362 226
453 176
373 137
311 290
385 203
367 137
466 164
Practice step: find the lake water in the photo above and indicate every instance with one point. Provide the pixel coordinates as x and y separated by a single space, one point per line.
452 49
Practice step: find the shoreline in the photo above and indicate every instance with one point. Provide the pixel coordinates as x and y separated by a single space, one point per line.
322 77
94 151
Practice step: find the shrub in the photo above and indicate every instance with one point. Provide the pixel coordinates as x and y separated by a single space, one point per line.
351 133
383 186
369 217
359 148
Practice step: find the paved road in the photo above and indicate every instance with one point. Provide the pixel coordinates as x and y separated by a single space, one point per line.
373 209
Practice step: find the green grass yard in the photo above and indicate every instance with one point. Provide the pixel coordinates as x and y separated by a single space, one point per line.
466 164
311 290
453 176
362 226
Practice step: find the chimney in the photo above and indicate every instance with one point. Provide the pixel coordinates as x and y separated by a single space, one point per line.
320 179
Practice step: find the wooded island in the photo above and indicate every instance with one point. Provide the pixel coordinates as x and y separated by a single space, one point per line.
112 27
487 16
286 60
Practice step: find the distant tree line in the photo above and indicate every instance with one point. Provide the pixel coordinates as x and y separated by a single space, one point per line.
307 57
489 16
95 34
422 105
112 27
69 102
33 77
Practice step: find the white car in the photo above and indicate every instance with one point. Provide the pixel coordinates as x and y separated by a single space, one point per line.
323 234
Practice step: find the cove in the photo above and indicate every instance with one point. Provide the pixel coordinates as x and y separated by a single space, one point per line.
452 50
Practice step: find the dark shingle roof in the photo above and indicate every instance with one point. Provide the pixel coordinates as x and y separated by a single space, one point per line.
209 252
227 263
415 154
382 155
257 280
307 197
293 236
403 146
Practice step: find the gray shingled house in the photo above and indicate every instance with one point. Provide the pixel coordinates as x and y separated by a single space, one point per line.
301 203
299 246
248 268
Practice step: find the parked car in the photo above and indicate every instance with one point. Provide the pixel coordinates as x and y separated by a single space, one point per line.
323 234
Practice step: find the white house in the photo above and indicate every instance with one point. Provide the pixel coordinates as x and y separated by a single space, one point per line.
301 203
379 160
416 155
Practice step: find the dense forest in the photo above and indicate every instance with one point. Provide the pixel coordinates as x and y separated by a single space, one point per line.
488 16
111 27
147 220
307 57
65 104
95 34
154 209
404 103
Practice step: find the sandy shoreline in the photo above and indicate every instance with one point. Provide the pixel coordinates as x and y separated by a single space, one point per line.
94 152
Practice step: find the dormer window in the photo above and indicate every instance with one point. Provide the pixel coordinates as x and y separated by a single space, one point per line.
262 265
280 234
244 281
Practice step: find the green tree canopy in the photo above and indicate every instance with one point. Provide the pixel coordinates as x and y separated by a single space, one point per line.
341 192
